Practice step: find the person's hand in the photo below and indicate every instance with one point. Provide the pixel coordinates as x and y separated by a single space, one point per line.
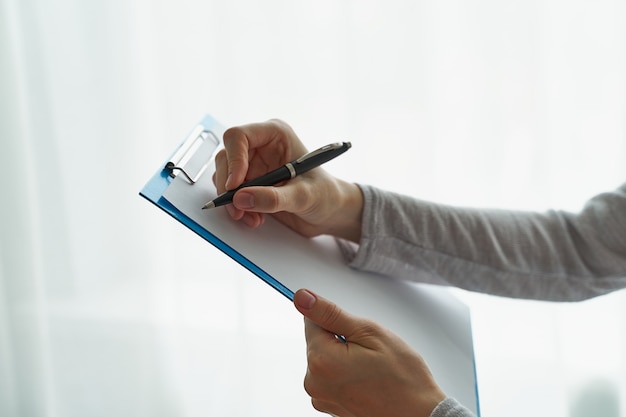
312 204
375 373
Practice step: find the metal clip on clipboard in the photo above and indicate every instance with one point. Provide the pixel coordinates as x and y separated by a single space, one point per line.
194 155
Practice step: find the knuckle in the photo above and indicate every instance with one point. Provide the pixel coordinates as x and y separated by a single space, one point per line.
309 386
279 123
275 201
232 133
313 387
322 366
318 405
317 364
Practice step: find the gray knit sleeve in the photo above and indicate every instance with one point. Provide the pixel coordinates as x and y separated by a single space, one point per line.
451 408
550 256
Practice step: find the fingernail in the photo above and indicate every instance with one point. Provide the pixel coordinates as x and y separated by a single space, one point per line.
244 200
305 299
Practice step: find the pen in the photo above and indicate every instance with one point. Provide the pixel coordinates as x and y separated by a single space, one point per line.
289 170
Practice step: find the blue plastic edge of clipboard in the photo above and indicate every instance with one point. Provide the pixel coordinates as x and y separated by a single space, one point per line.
153 192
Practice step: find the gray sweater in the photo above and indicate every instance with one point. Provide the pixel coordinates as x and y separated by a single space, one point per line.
555 255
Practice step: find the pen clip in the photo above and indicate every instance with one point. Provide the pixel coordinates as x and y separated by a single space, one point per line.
323 149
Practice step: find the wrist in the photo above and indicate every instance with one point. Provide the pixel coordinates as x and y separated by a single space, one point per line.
348 212
429 402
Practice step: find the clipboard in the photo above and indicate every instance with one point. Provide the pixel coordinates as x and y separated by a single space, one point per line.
429 318
190 160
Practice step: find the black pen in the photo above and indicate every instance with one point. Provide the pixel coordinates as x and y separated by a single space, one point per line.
290 170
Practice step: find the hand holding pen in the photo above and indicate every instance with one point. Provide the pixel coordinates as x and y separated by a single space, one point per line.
311 203
286 172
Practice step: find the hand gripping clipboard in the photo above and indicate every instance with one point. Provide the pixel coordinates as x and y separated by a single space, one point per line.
191 160
429 318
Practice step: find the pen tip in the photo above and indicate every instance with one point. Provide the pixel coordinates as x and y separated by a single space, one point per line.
208 205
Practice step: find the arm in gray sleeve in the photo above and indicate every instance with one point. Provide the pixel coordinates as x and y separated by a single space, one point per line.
554 255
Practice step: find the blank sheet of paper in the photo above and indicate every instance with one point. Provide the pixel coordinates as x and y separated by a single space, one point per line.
429 318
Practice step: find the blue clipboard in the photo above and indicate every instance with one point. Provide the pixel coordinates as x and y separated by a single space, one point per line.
205 137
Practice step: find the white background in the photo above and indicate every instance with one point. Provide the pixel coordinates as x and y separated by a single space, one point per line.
512 104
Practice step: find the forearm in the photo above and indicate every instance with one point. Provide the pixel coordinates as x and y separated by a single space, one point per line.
553 255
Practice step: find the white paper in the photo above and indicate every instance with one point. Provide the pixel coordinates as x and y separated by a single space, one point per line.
429 318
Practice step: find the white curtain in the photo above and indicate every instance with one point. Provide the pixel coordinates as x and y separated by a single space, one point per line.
108 307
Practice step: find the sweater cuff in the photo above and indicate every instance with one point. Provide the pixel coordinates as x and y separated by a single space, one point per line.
451 408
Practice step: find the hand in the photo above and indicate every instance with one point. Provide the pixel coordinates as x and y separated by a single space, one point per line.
312 204
373 374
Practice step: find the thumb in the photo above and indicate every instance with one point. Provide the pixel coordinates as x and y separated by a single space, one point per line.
324 313
271 199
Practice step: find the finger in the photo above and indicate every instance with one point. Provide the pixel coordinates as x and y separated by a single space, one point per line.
221 171
292 197
325 314
252 219
241 142
219 179
236 148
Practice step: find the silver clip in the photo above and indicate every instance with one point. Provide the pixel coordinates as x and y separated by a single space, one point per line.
201 143
323 149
